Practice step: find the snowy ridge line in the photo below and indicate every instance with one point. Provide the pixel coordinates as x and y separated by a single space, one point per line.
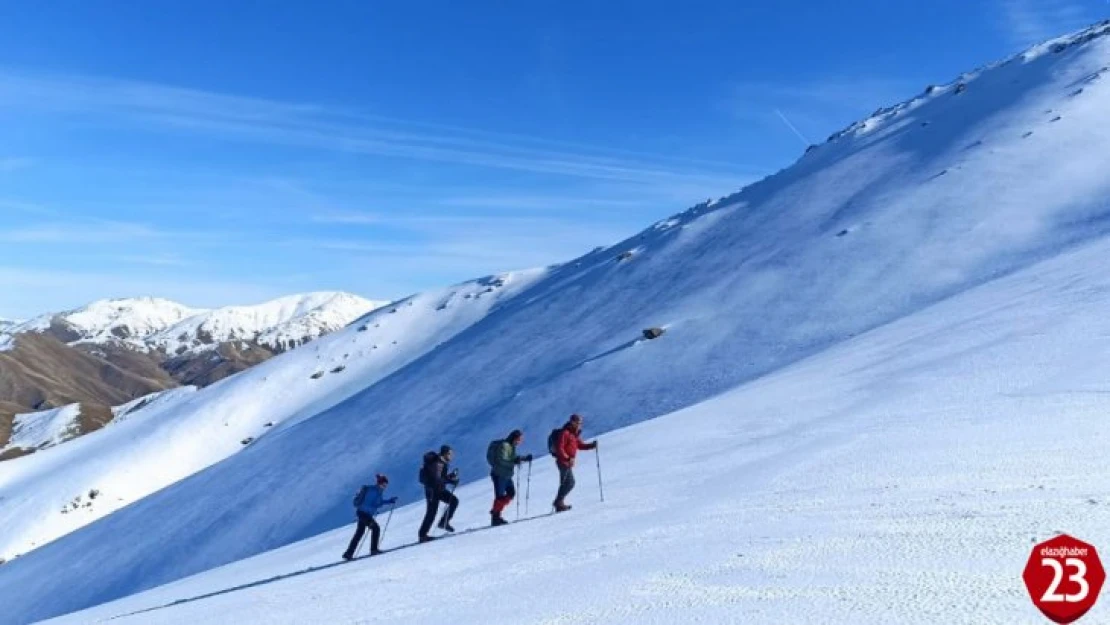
149 323
1056 46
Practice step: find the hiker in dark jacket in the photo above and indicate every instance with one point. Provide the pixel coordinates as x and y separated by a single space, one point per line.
435 478
502 458
372 500
567 447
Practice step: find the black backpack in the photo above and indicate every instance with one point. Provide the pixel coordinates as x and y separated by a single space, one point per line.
360 496
492 451
425 471
553 440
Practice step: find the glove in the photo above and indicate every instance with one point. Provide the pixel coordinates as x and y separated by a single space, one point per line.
527 458
391 500
518 459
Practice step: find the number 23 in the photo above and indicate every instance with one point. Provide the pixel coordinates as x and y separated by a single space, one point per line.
1051 596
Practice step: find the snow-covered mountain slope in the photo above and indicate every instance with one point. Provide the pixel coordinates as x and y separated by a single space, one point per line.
960 187
44 428
148 323
899 477
184 430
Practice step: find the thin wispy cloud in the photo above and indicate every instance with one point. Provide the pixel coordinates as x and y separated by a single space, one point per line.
335 129
80 233
467 244
1031 21
15 163
30 292
10 206
152 260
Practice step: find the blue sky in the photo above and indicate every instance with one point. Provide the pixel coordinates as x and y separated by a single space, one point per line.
221 152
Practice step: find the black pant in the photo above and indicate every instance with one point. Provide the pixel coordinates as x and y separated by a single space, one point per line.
566 482
432 499
364 521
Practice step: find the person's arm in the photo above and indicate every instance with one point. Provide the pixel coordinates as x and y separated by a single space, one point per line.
582 445
565 447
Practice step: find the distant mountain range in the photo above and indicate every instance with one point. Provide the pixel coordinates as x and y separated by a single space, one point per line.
114 351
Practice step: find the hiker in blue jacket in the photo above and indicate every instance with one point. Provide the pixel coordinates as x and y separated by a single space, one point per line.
371 500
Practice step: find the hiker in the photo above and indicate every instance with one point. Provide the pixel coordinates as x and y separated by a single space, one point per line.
502 458
435 478
367 502
565 443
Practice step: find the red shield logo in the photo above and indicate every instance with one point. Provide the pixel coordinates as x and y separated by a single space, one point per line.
1064 577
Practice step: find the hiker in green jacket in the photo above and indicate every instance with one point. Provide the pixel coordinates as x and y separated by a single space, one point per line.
502 458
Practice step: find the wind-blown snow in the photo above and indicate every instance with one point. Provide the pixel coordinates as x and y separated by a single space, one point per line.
900 477
940 199
33 430
181 431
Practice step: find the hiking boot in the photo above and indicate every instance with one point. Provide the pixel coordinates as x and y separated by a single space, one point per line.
444 525
426 539
496 520
561 507
376 552
347 557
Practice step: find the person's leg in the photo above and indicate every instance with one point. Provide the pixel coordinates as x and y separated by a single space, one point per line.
452 504
375 536
430 513
496 493
359 530
566 484
503 493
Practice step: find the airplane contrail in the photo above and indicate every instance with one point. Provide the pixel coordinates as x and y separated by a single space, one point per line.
793 128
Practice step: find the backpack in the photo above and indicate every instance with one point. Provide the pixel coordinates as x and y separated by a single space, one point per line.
553 440
492 452
424 476
360 496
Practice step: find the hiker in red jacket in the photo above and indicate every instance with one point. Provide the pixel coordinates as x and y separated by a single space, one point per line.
565 451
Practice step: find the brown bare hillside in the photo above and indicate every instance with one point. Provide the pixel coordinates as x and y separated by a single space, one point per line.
41 372
211 367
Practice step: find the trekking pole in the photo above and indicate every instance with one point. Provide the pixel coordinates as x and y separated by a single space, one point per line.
600 488
391 507
517 476
528 489
361 540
